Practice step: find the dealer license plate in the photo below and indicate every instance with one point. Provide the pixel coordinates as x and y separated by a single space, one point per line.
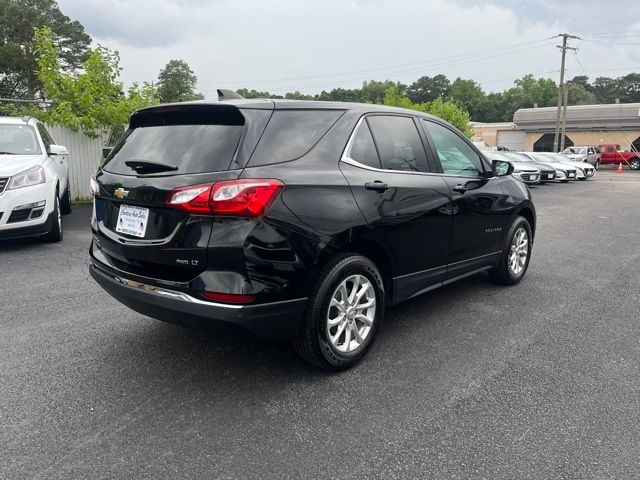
132 220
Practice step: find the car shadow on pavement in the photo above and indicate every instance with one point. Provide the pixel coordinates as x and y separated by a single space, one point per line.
149 354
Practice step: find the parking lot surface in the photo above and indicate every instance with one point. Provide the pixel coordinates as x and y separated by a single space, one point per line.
474 380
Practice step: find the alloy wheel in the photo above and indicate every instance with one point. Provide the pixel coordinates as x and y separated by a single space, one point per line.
351 313
519 252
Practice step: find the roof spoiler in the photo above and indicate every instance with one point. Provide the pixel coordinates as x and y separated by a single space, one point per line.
227 94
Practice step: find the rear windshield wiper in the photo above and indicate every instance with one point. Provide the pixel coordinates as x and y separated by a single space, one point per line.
149 166
8 153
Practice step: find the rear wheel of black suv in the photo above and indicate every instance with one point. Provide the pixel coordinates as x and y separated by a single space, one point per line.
515 258
345 312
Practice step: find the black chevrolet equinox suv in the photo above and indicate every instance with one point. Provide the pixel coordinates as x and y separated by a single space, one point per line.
299 220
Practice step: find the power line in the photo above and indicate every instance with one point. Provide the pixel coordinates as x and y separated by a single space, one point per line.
374 69
404 72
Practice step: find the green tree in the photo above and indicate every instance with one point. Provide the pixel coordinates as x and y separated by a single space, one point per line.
342 95
18 65
91 101
529 92
583 81
427 89
629 88
470 96
177 83
298 96
579 95
374 91
246 93
445 109
606 89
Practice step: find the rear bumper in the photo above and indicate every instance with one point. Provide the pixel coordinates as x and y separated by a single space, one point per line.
271 321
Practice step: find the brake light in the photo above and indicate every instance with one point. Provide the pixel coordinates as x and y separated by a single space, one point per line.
249 198
229 297
244 198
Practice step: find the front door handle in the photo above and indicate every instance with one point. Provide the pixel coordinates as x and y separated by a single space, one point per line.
459 188
377 186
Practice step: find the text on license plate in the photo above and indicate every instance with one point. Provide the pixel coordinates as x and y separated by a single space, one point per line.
132 220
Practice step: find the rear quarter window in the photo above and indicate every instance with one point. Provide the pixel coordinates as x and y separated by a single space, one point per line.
290 134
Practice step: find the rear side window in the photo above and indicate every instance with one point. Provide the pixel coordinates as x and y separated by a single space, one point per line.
290 134
363 150
398 143
191 148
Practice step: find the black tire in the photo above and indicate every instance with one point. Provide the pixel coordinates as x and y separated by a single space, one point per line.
65 202
634 163
56 233
313 344
501 273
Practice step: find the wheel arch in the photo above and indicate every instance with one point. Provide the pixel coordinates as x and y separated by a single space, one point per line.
528 212
371 249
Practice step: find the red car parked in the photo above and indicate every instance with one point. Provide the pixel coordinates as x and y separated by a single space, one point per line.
611 154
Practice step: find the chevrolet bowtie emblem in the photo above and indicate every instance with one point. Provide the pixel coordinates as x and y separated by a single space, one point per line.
121 192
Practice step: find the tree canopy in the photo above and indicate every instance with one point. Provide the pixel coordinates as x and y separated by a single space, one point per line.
18 64
90 101
177 83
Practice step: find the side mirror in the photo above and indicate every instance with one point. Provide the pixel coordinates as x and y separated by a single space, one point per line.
58 150
501 168
106 151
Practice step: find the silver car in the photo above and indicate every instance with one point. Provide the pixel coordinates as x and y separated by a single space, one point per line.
526 172
564 172
583 170
584 154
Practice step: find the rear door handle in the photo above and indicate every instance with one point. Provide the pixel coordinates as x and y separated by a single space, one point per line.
377 186
459 188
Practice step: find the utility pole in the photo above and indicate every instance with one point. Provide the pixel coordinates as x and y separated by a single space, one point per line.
563 128
564 48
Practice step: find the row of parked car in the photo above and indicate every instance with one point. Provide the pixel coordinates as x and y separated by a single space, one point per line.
605 154
542 167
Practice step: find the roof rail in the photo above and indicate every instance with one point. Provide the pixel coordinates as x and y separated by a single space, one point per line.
227 94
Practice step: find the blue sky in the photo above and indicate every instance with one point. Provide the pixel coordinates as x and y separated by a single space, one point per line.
311 45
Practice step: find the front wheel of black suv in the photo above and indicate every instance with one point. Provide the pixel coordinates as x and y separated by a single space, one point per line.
517 253
345 312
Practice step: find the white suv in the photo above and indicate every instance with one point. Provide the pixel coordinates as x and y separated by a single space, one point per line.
34 181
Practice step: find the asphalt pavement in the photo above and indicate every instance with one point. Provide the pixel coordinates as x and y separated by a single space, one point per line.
474 380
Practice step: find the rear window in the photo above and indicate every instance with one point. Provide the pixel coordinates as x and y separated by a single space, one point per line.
291 134
191 148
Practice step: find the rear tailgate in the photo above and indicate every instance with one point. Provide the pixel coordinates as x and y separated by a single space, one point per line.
180 146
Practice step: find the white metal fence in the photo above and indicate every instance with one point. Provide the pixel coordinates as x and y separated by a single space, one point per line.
86 155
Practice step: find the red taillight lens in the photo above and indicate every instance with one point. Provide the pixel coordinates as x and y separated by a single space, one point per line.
244 198
192 199
236 198
229 297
